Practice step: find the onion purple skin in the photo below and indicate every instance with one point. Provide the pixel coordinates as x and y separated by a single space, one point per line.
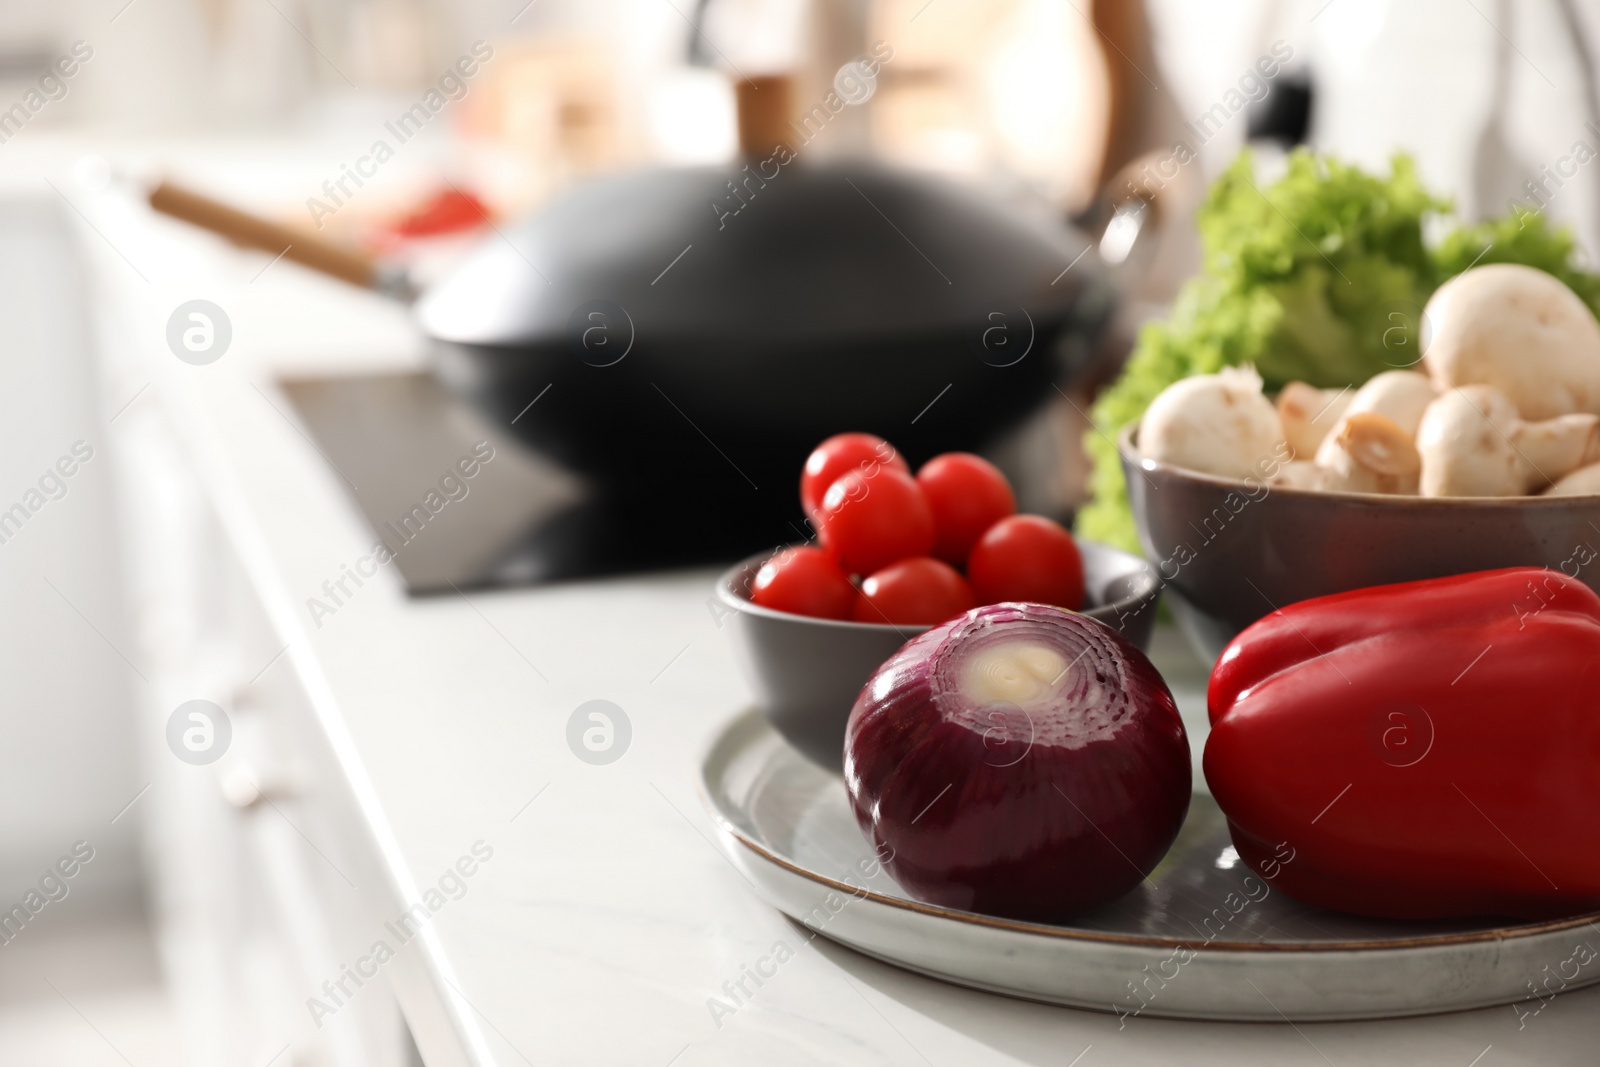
1014 819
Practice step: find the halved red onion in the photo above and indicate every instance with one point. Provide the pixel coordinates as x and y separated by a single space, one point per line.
1020 760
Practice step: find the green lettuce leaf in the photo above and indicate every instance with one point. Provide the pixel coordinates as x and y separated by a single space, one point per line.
1320 277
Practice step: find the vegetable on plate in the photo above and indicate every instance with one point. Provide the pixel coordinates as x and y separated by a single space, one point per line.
1402 433
1582 482
968 494
905 541
837 456
913 592
1216 423
1307 414
804 581
1021 761
870 521
1520 330
1372 445
1472 442
1027 558
1427 749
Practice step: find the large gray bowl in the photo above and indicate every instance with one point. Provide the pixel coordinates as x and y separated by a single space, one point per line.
1231 552
806 672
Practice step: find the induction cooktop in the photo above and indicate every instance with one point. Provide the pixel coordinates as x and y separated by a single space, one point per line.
462 503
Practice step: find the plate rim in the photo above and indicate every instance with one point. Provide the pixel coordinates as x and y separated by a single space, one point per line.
730 731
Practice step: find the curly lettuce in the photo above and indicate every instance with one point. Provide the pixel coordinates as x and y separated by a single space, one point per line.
1320 277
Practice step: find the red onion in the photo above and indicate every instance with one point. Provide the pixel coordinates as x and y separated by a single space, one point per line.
1020 760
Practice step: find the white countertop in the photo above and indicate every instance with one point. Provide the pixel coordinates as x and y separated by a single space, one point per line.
607 915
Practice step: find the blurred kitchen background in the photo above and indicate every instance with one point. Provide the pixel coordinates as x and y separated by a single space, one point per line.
1062 106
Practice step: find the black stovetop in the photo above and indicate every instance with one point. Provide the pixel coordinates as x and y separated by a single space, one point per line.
402 445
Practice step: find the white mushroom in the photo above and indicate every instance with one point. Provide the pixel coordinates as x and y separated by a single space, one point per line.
1466 447
1556 447
1299 474
1520 330
1308 414
1371 453
1473 443
1216 423
1399 395
1585 481
1369 450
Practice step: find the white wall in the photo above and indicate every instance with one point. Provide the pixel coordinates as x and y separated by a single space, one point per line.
1412 75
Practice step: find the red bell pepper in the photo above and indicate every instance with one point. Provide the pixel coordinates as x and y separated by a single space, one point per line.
1422 750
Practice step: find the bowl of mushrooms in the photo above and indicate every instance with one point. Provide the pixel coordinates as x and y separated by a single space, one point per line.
1485 455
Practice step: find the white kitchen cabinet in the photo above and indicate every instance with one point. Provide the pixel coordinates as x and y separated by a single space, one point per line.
257 871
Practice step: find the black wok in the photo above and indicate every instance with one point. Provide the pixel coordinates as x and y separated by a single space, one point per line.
837 298
684 337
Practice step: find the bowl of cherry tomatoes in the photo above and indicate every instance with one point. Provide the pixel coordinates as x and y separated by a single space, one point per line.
897 552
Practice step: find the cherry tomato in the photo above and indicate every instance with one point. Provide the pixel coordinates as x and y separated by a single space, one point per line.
968 494
914 592
1027 558
867 523
839 455
805 581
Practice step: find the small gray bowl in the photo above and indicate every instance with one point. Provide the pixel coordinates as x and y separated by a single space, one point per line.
806 672
1231 552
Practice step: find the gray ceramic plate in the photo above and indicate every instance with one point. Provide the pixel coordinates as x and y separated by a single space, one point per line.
1200 938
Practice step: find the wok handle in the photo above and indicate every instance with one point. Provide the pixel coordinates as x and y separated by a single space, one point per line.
252 231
